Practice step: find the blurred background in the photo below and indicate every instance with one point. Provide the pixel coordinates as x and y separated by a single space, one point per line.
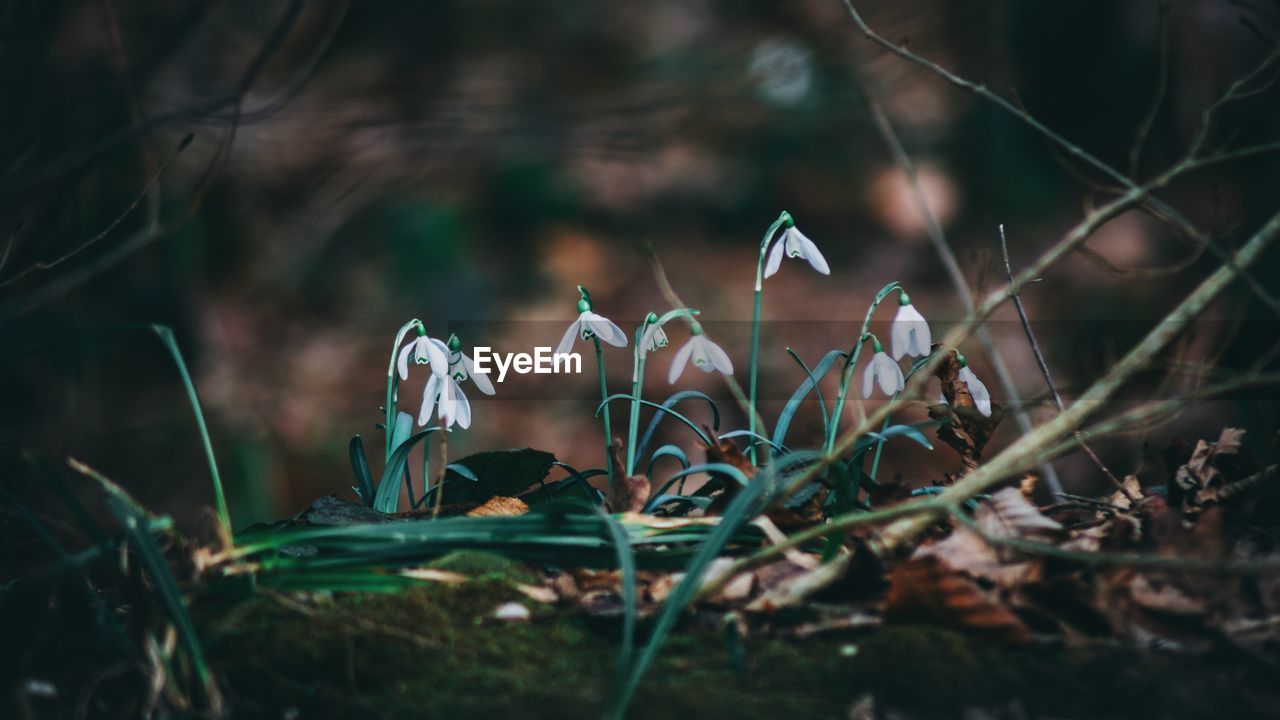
351 166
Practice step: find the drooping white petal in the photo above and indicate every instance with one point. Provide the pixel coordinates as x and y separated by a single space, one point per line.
775 257
480 379
909 333
810 252
654 337
701 357
402 361
454 406
680 360
430 393
437 355
883 372
889 375
570 335
981 397
719 358
604 329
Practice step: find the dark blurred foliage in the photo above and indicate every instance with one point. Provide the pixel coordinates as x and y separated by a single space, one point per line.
352 166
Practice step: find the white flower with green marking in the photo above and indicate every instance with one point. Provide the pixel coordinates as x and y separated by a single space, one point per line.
882 372
794 244
981 397
590 324
704 354
909 333
424 351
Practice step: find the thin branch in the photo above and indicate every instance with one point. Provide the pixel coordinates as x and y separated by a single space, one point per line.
1162 81
956 275
44 265
1206 566
1027 450
1074 150
673 299
1048 377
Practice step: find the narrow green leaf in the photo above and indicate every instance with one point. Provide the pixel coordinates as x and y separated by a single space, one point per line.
387 499
665 409
360 466
809 385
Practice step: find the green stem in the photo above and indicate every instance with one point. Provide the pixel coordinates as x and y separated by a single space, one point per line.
637 384
783 219
393 379
604 397
875 461
847 374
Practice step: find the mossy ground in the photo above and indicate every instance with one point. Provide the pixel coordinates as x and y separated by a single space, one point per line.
434 652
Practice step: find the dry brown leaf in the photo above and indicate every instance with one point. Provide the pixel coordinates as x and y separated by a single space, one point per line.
928 590
1008 515
628 493
800 587
966 552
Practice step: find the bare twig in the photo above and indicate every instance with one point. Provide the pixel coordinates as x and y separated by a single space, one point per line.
673 299
1027 450
981 90
1162 82
958 281
150 185
1048 377
1209 566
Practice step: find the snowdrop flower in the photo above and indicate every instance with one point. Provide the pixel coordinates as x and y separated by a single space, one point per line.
461 367
444 392
590 324
794 244
706 356
909 333
981 398
425 351
882 371
654 336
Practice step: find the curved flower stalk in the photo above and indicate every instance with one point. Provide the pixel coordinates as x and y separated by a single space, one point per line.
594 327
792 243
981 397
909 332
424 350
882 372
649 337
846 375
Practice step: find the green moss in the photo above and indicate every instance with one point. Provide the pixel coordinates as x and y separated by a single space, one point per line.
435 652
482 564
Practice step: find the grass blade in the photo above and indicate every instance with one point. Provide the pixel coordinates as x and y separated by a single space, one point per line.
165 333
137 526
360 466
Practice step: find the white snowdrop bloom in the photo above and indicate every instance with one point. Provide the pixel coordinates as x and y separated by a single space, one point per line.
591 324
981 398
882 371
425 351
443 394
706 356
654 337
793 243
461 367
909 333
